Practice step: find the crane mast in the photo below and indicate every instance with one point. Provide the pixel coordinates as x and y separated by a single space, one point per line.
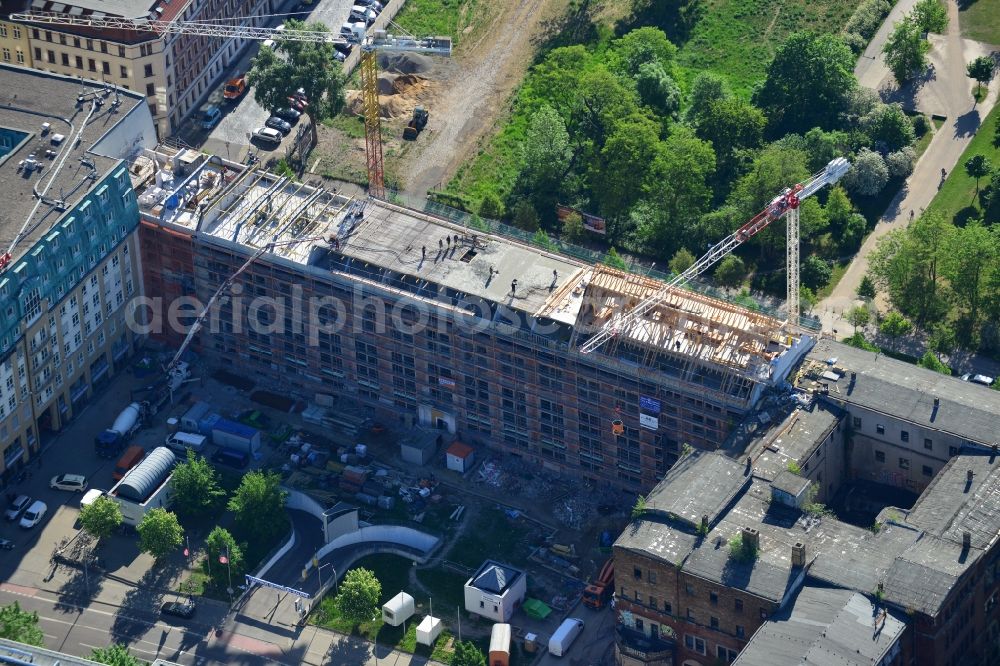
786 203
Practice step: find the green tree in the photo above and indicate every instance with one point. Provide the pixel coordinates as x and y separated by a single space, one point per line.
906 50
259 505
20 625
706 89
491 207
858 317
467 654
525 216
277 73
774 167
573 229
115 655
907 264
221 543
657 89
821 147
930 361
731 125
815 272
868 173
613 259
813 221
807 84
101 518
838 209
930 15
978 166
853 233
546 153
731 271
358 596
972 254
159 533
981 71
942 339
196 487
615 181
888 127
639 47
681 261
866 289
895 326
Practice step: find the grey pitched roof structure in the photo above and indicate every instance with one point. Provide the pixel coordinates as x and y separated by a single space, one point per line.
495 578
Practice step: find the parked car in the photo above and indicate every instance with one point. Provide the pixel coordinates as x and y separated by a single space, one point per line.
339 56
372 4
287 114
267 135
269 43
977 379
74 482
343 48
277 123
6 544
366 14
17 507
211 117
34 514
183 610
231 458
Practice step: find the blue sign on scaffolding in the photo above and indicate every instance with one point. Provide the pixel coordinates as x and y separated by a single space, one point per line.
650 404
252 580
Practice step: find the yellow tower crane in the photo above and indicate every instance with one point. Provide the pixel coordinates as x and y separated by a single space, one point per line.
369 45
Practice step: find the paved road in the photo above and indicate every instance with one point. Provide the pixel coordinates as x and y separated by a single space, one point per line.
948 85
593 645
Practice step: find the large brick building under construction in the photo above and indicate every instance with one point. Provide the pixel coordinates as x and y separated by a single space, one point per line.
451 327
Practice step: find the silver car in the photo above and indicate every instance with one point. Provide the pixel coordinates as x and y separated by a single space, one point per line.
17 507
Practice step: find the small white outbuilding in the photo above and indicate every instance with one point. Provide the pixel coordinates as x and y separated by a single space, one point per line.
398 610
428 630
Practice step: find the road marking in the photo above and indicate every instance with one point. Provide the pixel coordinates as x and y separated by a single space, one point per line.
19 590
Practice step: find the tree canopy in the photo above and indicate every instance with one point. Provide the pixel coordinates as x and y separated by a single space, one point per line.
905 50
981 71
101 518
467 654
259 505
196 486
358 596
159 533
20 625
221 543
930 15
115 655
807 84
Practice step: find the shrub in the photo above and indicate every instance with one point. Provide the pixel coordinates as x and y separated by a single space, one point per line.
859 341
868 173
930 361
855 42
867 18
742 551
900 163
921 125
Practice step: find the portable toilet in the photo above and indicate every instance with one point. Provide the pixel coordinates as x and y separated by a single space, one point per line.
398 610
428 630
500 645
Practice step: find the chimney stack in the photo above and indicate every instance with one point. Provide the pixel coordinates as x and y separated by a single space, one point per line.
799 555
966 540
751 538
854 376
937 402
704 523
749 465
968 476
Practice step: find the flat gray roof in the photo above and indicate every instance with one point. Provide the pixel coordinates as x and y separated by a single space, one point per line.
34 98
824 627
792 440
699 484
129 8
907 392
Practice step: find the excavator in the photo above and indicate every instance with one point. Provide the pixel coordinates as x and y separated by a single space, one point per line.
416 124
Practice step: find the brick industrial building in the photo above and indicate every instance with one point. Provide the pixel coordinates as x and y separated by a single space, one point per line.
493 354
738 551
69 219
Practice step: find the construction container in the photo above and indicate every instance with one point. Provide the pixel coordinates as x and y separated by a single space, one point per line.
398 610
357 475
459 457
500 645
192 418
428 630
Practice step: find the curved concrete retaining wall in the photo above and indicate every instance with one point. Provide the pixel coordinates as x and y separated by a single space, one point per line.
302 502
404 536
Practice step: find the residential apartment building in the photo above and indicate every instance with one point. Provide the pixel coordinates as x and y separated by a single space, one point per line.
453 328
174 71
75 261
15 48
728 545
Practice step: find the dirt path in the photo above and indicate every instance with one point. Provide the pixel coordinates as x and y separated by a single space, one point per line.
474 85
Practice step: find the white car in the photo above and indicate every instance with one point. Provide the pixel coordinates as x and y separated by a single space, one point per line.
90 496
17 507
34 514
73 482
267 135
269 43
977 379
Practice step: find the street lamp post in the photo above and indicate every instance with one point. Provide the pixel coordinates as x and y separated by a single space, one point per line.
319 572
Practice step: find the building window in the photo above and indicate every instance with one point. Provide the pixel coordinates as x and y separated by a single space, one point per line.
104 47
690 590
79 62
652 601
857 422
738 605
123 71
65 59
740 631
880 456
667 608
714 622
928 444
106 67
725 654
637 572
6 55
3 31
51 55
121 51
904 463
690 614
694 644
652 576
38 54
638 596
928 470
17 32
20 57
880 429
148 71
904 435
150 90
714 598
91 64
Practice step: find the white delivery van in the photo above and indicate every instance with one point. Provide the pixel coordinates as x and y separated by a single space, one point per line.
564 636
180 442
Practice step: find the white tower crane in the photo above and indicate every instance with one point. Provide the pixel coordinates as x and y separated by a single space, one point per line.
785 204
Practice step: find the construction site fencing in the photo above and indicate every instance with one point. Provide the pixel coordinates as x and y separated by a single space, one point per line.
542 240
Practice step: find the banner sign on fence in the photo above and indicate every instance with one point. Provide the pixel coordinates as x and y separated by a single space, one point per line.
253 580
590 222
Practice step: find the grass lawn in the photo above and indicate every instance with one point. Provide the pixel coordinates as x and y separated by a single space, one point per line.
980 20
921 145
458 19
492 536
836 272
352 126
737 38
956 199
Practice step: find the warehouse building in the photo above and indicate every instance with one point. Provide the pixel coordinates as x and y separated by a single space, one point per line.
761 553
70 217
423 321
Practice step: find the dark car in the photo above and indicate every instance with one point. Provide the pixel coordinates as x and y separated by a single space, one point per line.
344 48
231 458
274 122
288 115
183 610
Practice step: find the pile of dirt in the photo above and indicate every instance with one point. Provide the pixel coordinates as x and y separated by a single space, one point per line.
408 84
390 106
385 83
404 63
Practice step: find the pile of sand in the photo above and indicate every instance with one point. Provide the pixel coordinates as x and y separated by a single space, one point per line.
397 95
390 106
404 63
